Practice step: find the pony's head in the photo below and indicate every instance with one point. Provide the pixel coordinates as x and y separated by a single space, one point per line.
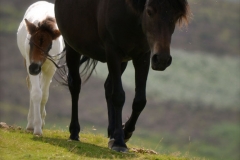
159 18
40 42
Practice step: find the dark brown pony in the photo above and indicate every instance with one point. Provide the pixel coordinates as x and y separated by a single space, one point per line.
116 31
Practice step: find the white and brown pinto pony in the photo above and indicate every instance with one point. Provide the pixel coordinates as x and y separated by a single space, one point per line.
41 44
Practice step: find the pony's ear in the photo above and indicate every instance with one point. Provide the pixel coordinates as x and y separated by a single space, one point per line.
30 27
55 34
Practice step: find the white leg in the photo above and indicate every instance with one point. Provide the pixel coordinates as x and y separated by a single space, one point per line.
48 70
36 97
30 118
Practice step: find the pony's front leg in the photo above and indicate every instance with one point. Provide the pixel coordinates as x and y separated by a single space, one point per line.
30 118
141 65
108 96
36 97
118 97
74 84
48 70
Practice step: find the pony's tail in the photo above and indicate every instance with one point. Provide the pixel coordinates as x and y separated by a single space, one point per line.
89 66
86 72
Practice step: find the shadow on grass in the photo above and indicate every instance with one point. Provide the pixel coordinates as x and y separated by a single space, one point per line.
85 149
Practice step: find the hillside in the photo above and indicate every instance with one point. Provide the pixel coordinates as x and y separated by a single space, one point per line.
54 145
215 28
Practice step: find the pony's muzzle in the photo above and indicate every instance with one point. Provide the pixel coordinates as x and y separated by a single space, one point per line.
161 62
34 69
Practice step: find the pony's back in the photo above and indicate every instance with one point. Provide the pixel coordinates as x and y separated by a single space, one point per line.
38 11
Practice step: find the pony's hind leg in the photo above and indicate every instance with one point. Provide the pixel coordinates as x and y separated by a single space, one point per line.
74 84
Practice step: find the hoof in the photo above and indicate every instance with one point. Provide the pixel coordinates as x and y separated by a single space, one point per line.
126 135
120 149
38 131
74 138
29 130
126 140
110 143
38 135
116 148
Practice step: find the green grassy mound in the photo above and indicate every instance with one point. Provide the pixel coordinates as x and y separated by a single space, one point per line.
16 143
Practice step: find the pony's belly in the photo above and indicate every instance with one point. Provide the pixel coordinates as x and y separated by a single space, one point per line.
93 51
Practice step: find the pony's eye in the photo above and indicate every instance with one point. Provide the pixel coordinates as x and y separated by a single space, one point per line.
150 12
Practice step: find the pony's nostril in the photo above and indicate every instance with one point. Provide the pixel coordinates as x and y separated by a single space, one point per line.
169 61
155 58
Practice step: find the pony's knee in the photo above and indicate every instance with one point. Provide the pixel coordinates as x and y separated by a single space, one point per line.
36 95
108 89
44 99
118 99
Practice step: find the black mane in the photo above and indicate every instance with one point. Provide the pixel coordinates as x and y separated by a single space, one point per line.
181 6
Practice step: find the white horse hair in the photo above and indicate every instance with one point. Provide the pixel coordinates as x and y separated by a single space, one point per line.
35 47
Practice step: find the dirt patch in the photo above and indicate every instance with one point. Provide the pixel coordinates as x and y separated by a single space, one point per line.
143 151
6 126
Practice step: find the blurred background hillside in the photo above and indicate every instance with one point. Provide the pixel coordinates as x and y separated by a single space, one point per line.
193 107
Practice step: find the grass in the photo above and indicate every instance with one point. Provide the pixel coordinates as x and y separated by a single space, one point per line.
220 141
15 143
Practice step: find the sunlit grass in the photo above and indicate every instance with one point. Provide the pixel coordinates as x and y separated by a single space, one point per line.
18 144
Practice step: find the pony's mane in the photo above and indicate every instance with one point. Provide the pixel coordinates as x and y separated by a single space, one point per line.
48 24
180 5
